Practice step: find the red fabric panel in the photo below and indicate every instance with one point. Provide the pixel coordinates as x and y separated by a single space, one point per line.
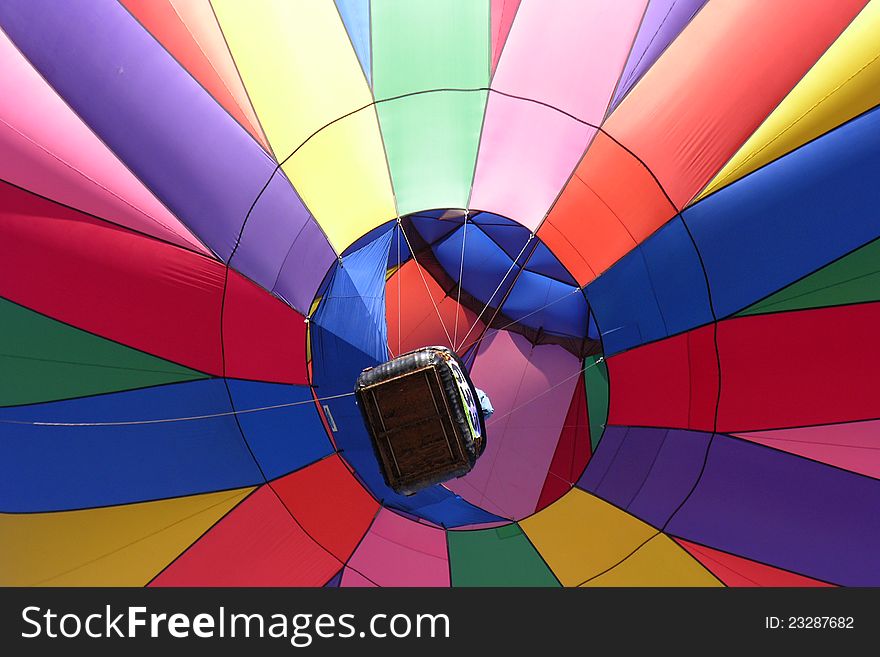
717 82
162 21
738 571
330 504
265 339
110 281
256 544
671 383
611 204
572 450
143 293
799 368
418 321
502 14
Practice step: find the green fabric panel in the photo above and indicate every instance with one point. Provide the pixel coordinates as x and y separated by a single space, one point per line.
45 360
596 381
855 278
496 557
431 139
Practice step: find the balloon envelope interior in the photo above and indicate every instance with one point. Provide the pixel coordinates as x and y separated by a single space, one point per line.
648 228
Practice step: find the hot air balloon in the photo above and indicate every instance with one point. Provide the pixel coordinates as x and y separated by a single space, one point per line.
648 229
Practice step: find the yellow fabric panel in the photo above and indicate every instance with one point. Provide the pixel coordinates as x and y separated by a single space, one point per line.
660 562
342 177
110 546
301 73
844 83
580 535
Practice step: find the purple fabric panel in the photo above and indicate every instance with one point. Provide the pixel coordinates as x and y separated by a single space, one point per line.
334 581
787 511
664 20
282 247
672 477
648 472
162 124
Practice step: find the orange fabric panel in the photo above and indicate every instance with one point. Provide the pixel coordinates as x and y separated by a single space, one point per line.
611 204
162 21
416 323
719 80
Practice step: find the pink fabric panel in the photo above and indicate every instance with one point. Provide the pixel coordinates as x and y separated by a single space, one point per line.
48 150
853 446
570 57
528 151
398 551
354 579
509 476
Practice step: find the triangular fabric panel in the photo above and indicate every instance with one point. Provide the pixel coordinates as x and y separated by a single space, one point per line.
257 544
572 450
49 151
850 445
111 546
502 15
46 360
662 23
844 83
854 278
356 17
718 81
353 307
189 31
738 571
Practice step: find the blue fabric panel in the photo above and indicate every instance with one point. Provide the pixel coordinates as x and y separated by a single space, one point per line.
511 238
282 439
47 468
337 365
354 304
565 312
792 216
485 263
542 261
592 328
434 230
334 581
654 291
356 17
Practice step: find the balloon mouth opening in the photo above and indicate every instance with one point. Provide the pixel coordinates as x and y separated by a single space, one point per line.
488 289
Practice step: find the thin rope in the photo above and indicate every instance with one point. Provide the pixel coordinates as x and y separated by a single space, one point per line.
485 307
399 295
175 419
551 388
427 289
460 279
534 312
